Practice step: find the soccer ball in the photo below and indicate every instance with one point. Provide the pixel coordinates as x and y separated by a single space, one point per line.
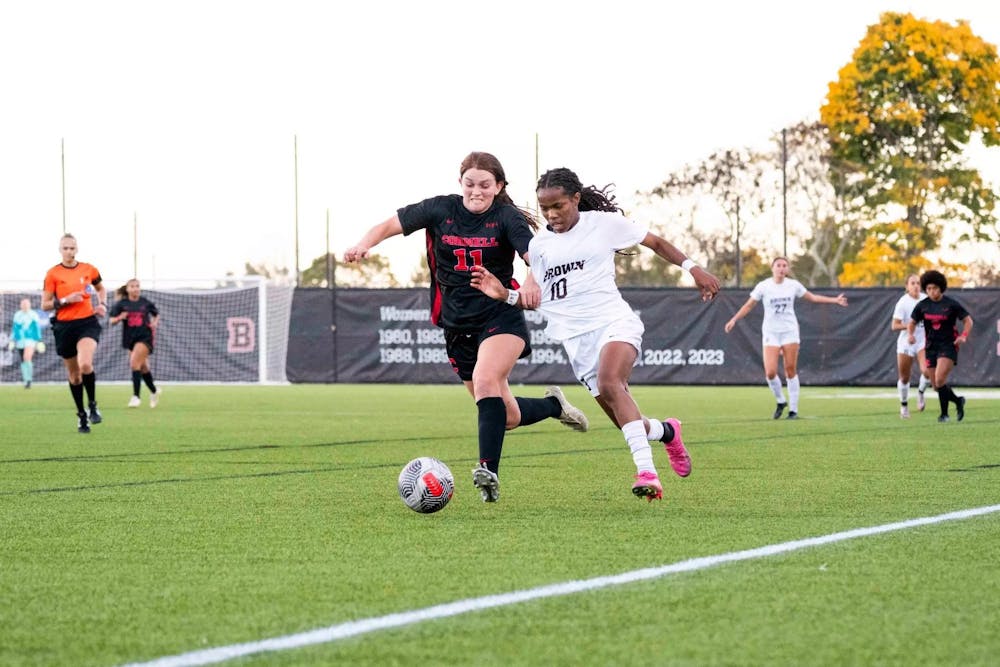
40 347
426 485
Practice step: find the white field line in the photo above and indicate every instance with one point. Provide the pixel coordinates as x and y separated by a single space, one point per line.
354 628
987 394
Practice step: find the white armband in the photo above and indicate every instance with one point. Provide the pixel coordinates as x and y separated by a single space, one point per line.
512 296
688 264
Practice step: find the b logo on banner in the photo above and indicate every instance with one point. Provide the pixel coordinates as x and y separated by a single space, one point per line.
242 335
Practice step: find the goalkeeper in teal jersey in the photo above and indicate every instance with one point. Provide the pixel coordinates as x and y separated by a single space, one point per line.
26 335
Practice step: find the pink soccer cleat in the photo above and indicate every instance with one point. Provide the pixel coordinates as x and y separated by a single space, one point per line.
647 485
680 461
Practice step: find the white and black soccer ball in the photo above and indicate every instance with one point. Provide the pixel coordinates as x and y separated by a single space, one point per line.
426 485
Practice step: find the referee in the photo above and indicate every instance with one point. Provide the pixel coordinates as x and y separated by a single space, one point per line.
67 292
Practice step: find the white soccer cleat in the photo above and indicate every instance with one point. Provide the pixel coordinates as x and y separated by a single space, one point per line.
571 416
487 482
154 399
134 402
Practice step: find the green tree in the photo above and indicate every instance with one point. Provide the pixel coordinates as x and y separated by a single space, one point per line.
741 181
834 229
900 116
372 272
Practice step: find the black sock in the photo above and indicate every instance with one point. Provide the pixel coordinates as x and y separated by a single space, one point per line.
148 379
90 384
136 382
77 391
668 432
492 424
534 410
942 393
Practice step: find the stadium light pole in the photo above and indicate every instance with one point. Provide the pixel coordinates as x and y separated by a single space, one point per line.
295 144
62 161
784 192
331 265
135 244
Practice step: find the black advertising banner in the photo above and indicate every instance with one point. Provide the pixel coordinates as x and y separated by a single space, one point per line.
386 336
204 336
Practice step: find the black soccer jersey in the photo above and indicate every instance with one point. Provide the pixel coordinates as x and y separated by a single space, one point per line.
136 324
939 320
457 240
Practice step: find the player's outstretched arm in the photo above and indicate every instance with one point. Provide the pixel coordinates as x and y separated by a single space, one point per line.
372 238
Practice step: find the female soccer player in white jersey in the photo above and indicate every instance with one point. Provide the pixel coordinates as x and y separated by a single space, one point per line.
906 351
572 260
780 330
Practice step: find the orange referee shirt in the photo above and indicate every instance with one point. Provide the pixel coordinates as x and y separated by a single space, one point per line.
62 281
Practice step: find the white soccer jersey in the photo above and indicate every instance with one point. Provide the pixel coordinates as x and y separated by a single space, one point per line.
576 271
903 312
779 304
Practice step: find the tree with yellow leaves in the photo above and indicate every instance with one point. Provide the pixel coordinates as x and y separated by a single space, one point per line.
900 115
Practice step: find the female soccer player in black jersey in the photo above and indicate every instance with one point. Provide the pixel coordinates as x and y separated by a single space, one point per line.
140 317
484 338
940 315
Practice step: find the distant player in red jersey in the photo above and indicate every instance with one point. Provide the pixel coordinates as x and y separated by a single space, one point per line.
67 292
140 319
939 315
484 338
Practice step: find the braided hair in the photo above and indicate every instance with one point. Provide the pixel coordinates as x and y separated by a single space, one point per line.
592 198
489 162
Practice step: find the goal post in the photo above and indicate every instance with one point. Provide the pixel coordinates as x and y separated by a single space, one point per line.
235 330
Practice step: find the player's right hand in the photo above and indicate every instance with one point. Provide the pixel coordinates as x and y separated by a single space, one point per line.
356 253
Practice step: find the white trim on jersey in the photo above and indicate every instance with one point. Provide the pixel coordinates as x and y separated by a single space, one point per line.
576 272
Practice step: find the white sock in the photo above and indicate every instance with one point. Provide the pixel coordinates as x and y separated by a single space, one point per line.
775 385
656 430
793 394
904 390
635 438
923 383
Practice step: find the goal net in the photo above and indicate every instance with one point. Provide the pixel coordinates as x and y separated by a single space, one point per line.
234 331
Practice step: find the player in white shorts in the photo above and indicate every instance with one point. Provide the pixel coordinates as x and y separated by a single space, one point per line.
906 351
573 262
780 330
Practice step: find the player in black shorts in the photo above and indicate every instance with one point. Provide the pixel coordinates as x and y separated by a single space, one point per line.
940 315
68 290
140 318
484 338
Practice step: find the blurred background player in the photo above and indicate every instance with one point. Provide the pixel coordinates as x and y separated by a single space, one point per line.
939 315
26 334
780 329
906 352
483 338
140 317
573 260
67 291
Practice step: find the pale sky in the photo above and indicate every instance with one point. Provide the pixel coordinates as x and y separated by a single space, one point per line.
183 114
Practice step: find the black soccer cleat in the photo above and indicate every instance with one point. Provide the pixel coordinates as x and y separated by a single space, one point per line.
944 418
778 410
793 415
82 426
95 414
960 408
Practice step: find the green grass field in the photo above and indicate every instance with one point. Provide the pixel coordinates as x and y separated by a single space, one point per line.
232 515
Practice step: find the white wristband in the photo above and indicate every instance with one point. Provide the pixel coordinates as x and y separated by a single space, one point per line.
512 296
688 264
